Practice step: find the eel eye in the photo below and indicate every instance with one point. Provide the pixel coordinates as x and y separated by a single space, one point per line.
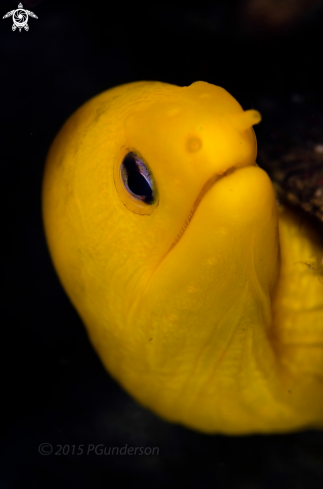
136 178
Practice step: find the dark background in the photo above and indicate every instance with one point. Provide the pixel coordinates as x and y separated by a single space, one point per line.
268 54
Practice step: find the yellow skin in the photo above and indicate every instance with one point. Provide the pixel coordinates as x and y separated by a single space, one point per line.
202 307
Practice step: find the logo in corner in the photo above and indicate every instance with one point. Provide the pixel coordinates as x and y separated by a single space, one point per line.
20 18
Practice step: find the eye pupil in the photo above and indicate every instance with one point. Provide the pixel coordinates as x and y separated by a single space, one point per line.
136 178
139 185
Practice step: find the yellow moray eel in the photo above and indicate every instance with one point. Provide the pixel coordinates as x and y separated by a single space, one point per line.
201 297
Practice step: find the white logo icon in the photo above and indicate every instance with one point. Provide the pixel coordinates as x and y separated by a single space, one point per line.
20 18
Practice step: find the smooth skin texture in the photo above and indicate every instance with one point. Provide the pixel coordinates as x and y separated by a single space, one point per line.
206 304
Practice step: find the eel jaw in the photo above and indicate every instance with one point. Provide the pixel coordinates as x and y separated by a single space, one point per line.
206 187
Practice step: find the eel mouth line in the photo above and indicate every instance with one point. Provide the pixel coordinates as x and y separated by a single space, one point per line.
206 187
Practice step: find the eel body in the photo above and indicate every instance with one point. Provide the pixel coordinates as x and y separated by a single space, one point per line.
201 295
